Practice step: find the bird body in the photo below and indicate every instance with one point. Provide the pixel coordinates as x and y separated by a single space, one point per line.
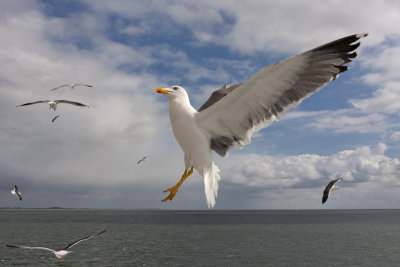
53 103
330 187
197 154
233 113
16 192
142 159
62 252
71 86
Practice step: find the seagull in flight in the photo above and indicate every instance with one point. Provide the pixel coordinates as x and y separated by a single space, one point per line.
62 252
71 86
16 192
233 113
330 187
143 159
53 103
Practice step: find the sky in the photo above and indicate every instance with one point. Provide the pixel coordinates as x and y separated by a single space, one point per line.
88 158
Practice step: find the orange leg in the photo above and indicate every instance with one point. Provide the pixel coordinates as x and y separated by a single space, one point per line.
173 190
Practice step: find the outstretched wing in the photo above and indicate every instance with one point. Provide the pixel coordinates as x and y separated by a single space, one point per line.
265 97
31 103
71 102
55 118
333 182
325 195
64 85
25 247
83 239
83 85
328 189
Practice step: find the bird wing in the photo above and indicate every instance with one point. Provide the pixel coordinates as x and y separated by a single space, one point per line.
55 118
31 103
83 239
333 182
71 102
265 97
60 87
15 188
19 195
83 84
219 94
25 247
325 195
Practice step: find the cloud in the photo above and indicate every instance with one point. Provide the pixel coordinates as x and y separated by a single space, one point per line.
126 49
361 165
395 136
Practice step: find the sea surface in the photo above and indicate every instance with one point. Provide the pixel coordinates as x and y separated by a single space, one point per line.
203 238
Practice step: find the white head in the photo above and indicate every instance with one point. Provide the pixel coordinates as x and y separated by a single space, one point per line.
173 92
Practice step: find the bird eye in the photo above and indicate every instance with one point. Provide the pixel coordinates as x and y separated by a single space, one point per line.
175 87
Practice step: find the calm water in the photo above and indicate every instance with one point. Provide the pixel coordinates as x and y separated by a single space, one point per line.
204 238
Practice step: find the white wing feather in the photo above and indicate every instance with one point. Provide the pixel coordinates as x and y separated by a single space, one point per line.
265 97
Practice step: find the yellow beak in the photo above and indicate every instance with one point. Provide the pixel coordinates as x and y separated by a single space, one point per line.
161 91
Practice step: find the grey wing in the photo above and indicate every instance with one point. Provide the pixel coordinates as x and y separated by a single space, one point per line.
333 182
55 118
19 195
219 94
83 239
83 85
25 247
71 102
31 103
325 195
265 97
60 87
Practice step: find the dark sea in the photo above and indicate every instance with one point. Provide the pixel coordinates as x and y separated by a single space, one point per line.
203 238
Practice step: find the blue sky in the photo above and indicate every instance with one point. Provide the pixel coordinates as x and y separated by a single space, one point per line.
87 157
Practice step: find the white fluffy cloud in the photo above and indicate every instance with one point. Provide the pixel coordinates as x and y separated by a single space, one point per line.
361 165
97 148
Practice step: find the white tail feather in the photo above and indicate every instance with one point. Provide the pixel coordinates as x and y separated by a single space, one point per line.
211 179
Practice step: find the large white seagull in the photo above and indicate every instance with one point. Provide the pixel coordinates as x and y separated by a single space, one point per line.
233 113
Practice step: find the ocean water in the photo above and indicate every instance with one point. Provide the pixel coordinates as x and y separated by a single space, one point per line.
203 238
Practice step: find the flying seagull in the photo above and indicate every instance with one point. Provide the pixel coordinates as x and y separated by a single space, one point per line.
55 118
71 86
53 104
62 252
330 187
233 113
16 192
142 159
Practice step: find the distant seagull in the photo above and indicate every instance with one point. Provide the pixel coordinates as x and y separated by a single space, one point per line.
55 118
16 192
72 86
330 187
142 159
62 252
53 104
